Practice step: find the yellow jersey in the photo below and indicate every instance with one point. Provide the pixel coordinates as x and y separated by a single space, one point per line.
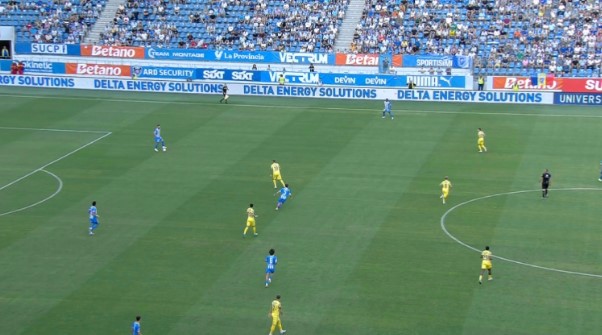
251 212
486 255
446 185
276 307
275 168
481 134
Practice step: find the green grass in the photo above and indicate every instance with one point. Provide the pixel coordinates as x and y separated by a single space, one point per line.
360 245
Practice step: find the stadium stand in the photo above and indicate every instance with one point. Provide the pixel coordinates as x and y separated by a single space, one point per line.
505 37
59 21
519 37
292 25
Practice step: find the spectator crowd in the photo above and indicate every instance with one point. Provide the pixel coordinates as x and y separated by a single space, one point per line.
558 36
555 36
292 25
58 21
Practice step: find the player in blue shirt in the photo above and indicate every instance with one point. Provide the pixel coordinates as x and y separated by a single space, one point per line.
159 139
387 109
271 261
93 212
285 193
136 326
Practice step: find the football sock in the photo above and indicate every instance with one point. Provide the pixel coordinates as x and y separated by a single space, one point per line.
480 278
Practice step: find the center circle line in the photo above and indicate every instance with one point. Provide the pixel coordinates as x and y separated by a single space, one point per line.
457 240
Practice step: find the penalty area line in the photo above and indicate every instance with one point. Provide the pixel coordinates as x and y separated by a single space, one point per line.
55 161
57 130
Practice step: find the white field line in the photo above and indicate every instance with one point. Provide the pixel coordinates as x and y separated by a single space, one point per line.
57 130
397 110
54 161
58 190
457 240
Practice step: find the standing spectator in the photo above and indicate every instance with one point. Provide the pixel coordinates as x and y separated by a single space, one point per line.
431 71
281 80
311 67
481 82
254 68
20 68
385 65
5 53
448 71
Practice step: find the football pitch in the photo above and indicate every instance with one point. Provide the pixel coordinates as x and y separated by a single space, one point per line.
365 245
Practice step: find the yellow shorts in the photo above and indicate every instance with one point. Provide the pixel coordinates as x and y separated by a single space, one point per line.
276 176
250 222
481 141
445 193
275 320
486 265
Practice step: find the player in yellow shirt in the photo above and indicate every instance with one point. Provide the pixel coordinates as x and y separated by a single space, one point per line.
485 264
445 187
275 312
276 173
250 221
481 140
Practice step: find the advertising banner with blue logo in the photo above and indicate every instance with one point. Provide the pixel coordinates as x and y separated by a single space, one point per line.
35 67
239 56
233 75
178 73
163 72
458 82
306 91
589 99
385 61
455 62
47 49
476 96
290 77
